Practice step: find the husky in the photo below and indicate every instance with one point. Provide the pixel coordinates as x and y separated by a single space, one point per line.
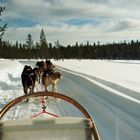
50 77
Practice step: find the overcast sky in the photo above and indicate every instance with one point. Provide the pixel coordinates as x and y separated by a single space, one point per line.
71 21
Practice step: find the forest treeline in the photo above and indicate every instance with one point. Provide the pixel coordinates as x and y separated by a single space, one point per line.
45 50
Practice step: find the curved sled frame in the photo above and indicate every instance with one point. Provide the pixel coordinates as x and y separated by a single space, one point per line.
56 95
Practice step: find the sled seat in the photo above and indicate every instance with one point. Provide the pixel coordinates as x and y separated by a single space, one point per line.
63 128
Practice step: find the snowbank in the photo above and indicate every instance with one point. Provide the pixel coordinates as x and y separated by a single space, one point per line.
121 72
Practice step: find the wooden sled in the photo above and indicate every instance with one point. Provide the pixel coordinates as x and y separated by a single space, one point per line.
56 128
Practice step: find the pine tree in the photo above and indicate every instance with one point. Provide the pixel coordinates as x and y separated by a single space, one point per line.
29 42
44 45
43 41
2 27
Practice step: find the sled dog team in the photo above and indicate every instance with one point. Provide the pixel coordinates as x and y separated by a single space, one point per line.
43 71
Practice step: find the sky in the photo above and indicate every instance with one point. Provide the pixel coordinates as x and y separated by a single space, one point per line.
72 21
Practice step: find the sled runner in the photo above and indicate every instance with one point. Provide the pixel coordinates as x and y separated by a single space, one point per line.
54 128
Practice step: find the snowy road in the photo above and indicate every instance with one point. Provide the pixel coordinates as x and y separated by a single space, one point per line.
116 117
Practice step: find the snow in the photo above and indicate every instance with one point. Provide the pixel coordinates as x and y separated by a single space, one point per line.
123 73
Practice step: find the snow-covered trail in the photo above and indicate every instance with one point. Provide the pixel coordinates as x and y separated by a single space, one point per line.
12 88
116 117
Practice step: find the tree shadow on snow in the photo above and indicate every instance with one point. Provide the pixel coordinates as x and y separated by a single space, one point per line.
5 86
13 79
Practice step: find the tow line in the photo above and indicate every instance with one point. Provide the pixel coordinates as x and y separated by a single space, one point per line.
44 109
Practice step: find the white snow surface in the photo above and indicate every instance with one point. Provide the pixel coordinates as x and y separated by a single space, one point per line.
121 72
